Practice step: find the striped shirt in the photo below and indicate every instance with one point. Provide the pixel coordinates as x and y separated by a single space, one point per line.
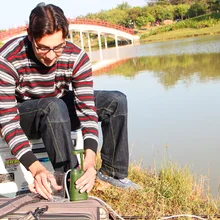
22 76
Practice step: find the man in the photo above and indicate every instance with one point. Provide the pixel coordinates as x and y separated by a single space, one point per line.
36 72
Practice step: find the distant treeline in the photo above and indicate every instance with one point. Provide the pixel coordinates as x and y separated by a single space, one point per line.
202 21
155 12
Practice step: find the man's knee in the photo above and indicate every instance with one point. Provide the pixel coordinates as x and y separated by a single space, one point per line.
121 97
56 109
120 100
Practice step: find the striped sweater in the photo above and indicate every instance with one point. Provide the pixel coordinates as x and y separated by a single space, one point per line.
23 76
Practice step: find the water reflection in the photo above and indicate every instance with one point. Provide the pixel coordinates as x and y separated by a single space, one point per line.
170 69
174 107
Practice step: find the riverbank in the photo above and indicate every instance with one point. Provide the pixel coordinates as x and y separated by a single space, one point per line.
180 33
170 191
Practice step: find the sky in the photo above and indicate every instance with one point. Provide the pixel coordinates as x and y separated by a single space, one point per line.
16 13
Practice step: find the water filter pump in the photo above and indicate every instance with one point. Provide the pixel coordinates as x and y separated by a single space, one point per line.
75 194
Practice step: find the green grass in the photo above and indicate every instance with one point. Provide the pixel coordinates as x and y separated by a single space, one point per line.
198 26
168 191
183 33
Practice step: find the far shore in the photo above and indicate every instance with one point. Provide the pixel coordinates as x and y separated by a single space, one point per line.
177 34
181 33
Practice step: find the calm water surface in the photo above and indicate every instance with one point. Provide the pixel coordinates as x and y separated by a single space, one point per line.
173 91
183 46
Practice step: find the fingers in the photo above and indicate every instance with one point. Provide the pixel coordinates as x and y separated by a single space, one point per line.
42 185
32 188
53 183
89 186
86 182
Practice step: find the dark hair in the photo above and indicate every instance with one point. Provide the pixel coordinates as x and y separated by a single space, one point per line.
46 20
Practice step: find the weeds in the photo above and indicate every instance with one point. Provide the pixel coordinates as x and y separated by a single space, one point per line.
170 191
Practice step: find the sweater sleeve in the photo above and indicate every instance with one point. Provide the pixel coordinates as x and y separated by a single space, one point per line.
10 118
85 108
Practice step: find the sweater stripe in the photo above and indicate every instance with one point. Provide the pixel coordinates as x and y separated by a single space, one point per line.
23 77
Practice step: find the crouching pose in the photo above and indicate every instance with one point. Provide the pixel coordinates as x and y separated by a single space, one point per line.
35 102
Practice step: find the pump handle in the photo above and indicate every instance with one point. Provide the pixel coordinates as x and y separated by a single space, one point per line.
81 152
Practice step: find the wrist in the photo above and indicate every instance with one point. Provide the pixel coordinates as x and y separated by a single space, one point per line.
36 167
90 157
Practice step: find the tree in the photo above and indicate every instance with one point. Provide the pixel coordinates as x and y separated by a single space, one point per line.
123 6
162 13
163 2
116 16
151 2
216 5
91 16
134 13
213 5
197 9
176 2
181 10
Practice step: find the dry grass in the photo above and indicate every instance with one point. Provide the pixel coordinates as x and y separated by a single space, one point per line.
170 191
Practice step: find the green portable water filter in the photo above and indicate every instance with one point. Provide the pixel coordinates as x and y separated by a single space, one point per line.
75 174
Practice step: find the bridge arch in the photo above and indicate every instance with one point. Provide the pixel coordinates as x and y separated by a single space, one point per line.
101 28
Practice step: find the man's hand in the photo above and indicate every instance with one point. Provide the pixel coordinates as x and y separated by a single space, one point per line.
43 180
86 182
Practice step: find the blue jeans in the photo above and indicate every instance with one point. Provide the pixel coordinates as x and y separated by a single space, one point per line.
112 113
39 120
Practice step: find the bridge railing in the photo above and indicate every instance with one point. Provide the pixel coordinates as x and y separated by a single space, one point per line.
6 34
100 23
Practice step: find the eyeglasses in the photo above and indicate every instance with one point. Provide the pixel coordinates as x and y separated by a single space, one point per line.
44 50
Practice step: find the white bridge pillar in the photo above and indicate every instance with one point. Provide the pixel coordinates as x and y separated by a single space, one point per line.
106 44
100 46
71 36
116 41
81 39
89 44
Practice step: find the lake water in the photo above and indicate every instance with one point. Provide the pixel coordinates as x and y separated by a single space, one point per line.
173 91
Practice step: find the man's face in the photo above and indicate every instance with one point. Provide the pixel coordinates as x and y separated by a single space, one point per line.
48 48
